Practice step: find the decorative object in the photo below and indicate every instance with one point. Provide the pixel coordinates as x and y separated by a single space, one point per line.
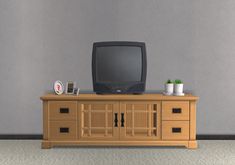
169 87
179 87
70 85
76 91
58 87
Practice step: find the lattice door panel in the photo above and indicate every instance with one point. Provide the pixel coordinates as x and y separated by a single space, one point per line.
141 120
97 119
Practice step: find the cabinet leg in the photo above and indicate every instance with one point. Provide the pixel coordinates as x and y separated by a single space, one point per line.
46 145
192 145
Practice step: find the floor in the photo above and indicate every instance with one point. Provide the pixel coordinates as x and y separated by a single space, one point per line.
28 152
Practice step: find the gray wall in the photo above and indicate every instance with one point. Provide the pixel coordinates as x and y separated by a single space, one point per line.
42 41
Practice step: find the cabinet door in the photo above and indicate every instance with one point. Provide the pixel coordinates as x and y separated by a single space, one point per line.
140 120
98 120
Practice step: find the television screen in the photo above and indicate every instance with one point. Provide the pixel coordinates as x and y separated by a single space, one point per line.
118 64
119 67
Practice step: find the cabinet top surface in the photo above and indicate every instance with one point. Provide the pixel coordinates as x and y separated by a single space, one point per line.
117 97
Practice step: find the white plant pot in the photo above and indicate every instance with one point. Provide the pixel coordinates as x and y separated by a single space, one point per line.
179 88
169 89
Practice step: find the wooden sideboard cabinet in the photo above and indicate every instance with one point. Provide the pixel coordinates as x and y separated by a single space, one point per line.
119 120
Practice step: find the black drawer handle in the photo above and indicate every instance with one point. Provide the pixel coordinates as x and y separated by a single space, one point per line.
64 130
176 110
64 110
122 120
115 119
176 130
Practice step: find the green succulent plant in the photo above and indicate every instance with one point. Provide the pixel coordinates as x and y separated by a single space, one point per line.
169 81
178 81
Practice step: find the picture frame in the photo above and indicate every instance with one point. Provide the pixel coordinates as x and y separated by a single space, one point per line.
58 87
76 91
70 86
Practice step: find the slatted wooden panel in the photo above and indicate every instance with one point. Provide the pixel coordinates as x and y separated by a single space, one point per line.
142 120
97 120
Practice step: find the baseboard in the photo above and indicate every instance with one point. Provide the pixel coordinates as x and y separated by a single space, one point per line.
20 136
39 137
215 137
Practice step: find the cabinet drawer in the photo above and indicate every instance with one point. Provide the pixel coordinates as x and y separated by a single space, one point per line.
175 110
175 130
62 130
62 110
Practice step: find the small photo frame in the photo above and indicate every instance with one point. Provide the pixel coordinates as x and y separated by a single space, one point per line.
76 91
58 87
70 86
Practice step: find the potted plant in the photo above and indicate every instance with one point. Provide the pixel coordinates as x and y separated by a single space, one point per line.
179 87
169 87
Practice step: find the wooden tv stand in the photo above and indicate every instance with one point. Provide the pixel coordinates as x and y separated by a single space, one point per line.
119 120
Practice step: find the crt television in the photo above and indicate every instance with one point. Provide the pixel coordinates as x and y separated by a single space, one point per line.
119 67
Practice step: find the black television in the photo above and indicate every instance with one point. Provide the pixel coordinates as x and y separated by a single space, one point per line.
119 67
